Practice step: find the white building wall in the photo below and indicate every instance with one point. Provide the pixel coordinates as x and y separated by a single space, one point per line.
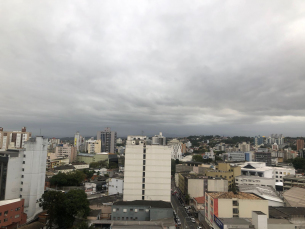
254 180
115 186
279 172
34 174
14 171
195 187
157 171
216 185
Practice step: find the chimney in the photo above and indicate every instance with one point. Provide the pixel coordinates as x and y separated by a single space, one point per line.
1 128
23 129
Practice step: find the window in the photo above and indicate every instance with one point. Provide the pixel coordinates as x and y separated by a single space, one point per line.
5 213
131 209
277 180
5 220
0 213
23 162
281 173
142 197
119 218
123 218
144 156
135 218
276 176
125 210
127 218
21 189
143 180
143 162
143 168
131 218
22 176
114 218
16 216
276 172
235 210
143 192
143 174
20 196
17 209
114 210
143 186
141 210
235 203
22 169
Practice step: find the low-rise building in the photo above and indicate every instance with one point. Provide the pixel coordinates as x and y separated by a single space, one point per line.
254 180
141 210
265 192
229 205
280 172
295 197
293 181
195 185
64 169
115 186
234 156
80 165
263 157
12 213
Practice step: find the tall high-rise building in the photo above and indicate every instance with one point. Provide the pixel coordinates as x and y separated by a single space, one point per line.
22 173
147 174
300 144
13 139
108 140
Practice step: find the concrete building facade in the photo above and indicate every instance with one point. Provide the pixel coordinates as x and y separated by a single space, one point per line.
108 140
254 180
12 213
115 186
13 139
229 205
147 172
23 174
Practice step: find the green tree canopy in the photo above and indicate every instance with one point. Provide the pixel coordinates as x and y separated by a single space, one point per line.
64 208
74 178
299 163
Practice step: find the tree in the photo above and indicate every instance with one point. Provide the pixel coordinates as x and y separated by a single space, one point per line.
89 173
62 208
74 178
299 163
83 225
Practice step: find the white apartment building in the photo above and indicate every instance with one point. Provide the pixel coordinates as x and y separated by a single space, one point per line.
115 186
13 139
254 180
147 174
93 146
234 156
279 172
23 174
66 151
244 147
260 169
176 150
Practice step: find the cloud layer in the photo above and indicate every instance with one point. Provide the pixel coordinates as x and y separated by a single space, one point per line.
210 67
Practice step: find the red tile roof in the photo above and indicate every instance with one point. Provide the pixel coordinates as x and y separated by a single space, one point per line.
200 200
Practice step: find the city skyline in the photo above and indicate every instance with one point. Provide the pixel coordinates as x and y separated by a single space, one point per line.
212 67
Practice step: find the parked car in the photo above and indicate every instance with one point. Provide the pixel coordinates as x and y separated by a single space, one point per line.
193 220
199 227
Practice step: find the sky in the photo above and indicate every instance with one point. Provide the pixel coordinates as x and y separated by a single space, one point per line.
177 67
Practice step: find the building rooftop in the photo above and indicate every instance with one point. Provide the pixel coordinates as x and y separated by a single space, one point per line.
95 213
200 200
295 197
231 195
254 177
5 202
151 203
235 221
64 167
265 192
278 221
285 212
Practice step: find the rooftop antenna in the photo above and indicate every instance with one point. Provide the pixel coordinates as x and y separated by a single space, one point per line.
142 133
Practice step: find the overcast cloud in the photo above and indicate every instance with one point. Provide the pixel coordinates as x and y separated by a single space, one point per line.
181 67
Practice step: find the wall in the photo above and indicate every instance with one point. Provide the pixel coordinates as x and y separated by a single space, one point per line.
34 174
217 185
246 207
225 207
115 186
13 178
14 213
161 213
195 187
138 213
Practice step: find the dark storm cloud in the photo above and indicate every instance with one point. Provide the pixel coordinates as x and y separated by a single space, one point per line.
219 67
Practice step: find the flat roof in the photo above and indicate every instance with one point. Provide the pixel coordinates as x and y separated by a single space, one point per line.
236 221
278 221
254 177
5 202
151 203
231 195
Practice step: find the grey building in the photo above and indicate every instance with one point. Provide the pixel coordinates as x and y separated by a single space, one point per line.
141 210
263 157
108 140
